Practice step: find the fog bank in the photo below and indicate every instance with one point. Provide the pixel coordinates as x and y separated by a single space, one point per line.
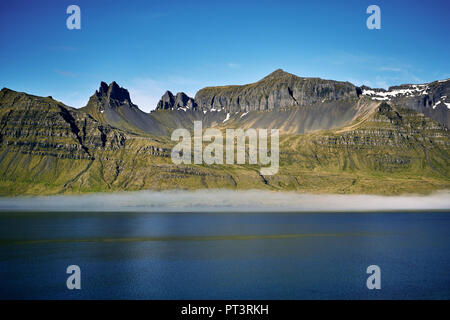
225 200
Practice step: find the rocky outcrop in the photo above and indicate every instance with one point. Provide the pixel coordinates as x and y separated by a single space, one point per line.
181 101
112 105
108 98
112 96
276 91
166 102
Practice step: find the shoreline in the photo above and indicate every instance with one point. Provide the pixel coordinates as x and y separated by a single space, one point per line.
226 201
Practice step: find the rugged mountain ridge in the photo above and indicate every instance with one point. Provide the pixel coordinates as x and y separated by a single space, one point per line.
280 100
36 124
111 104
275 91
299 105
432 99
354 140
180 101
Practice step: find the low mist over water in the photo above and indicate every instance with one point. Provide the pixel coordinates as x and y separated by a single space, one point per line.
225 200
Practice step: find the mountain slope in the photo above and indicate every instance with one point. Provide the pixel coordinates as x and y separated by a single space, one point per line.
45 143
281 100
47 148
387 151
112 105
431 99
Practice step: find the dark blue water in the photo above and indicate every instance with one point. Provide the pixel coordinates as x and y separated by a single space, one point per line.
225 255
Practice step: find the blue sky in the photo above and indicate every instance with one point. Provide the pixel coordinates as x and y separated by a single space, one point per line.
152 46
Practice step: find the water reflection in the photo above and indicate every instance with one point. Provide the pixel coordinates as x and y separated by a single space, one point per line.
224 255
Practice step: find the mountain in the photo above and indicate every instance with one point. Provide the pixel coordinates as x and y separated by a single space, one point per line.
285 101
45 143
335 138
297 105
280 100
180 101
112 105
276 91
431 99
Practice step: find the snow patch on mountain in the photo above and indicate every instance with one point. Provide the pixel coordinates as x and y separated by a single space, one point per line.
412 90
227 118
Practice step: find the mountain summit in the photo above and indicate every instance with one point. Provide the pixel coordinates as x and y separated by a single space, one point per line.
111 104
114 94
180 101
279 73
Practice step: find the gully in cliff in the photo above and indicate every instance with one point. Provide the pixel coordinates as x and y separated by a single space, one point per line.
213 152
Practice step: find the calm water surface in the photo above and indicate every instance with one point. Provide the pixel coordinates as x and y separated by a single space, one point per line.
225 255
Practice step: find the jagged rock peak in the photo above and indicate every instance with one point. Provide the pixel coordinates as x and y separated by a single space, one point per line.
166 102
114 92
103 88
180 101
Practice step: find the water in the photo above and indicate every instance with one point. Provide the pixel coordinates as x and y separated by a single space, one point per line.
224 255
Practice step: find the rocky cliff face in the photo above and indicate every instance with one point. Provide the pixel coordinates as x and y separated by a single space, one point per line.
431 99
276 91
113 95
35 125
280 100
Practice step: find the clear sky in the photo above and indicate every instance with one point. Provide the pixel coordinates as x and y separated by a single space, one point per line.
152 46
